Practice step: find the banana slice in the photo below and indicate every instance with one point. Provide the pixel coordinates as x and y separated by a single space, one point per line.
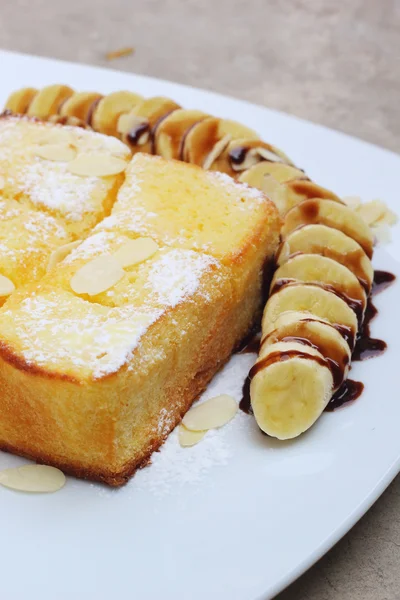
236 130
49 100
170 134
318 334
332 243
206 140
19 101
105 116
281 172
80 105
270 178
137 128
313 268
243 153
291 316
330 213
300 190
291 384
297 186
200 141
311 298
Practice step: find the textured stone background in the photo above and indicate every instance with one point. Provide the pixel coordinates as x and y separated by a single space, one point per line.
336 63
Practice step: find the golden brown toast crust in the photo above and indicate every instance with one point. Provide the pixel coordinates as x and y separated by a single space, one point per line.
212 361
120 477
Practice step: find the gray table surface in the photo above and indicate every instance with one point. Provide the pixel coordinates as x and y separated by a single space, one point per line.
336 63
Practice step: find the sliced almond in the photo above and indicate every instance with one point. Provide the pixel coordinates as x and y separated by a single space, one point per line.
6 286
60 253
382 234
96 165
33 478
216 151
372 211
389 218
268 155
56 152
97 276
352 201
211 414
135 251
189 438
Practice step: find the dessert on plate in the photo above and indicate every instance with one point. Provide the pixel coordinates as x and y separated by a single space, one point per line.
101 356
133 280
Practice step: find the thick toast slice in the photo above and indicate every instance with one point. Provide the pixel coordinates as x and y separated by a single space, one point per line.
94 382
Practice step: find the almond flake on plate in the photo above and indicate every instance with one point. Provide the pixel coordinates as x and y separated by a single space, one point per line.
33 478
135 251
188 438
97 276
6 286
372 211
96 165
211 414
60 253
389 218
56 152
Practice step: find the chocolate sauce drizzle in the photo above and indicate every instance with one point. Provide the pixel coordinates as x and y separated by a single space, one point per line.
382 280
349 390
365 347
245 402
136 133
237 155
90 113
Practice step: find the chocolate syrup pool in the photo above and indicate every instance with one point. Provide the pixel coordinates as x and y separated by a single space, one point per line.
365 347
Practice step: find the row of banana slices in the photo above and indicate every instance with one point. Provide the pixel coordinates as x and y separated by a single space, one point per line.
160 126
317 301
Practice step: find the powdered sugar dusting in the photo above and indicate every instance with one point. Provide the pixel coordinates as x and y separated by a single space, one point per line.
51 185
95 340
94 245
175 466
98 340
176 275
47 183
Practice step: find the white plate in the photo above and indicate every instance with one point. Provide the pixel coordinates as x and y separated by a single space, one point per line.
239 516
